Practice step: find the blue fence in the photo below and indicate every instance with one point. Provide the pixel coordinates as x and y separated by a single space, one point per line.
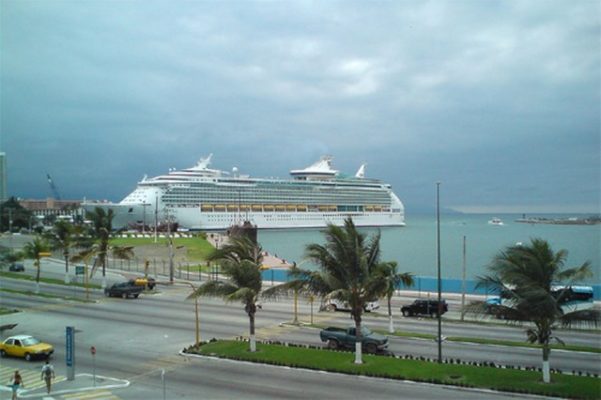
422 283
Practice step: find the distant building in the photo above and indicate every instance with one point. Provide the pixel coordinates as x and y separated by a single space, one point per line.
3 195
52 206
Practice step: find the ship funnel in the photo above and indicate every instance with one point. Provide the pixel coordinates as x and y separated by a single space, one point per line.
361 171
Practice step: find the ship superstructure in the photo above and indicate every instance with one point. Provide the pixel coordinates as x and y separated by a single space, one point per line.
203 198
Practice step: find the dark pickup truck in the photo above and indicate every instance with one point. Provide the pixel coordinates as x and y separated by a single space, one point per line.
339 337
124 290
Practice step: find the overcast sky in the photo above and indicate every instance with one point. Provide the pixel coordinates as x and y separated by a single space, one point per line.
498 100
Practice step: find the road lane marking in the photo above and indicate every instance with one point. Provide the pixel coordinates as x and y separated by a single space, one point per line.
92 395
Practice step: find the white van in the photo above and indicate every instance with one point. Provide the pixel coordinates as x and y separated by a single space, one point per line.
335 305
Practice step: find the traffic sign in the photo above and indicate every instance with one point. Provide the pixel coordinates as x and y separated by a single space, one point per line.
44 254
79 270
70 352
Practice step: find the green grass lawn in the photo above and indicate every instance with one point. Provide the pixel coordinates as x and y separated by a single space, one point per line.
25 277
196 247
510 380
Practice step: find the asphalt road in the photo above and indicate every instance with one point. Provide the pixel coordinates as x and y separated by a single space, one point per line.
138 338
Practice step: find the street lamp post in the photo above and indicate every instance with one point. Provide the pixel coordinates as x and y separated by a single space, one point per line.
196 313
144 205
438 314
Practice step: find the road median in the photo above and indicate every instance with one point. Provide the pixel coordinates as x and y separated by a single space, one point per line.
451 372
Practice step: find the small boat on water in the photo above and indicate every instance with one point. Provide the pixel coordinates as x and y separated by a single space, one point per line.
495 221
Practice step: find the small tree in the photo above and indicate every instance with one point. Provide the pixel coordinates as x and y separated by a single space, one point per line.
34 250
394 280
350 271
64 236
240 261
525 275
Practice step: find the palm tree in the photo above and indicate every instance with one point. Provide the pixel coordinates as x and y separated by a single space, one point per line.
64 236
302 281
525 275
100 247
102 224
94 250
394 280
35 250
241 261
350 271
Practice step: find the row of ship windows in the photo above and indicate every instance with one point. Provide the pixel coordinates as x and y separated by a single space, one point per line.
280 198
279 217
209 208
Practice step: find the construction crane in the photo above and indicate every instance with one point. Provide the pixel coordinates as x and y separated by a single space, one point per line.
53 188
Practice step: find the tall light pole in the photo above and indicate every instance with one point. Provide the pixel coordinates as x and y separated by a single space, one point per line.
144 205
196 312
438 314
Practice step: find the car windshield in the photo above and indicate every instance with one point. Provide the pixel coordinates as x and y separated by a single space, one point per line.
30 341
365 331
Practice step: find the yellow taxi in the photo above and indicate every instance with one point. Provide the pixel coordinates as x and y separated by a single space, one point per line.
142 281
25 346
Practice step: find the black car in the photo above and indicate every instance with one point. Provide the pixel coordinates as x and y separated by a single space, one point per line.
16 267
124 289
425 307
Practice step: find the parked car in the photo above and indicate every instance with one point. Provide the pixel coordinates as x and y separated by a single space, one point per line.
25 346
125 290
16 267
336 305
144 281
425 307
340 337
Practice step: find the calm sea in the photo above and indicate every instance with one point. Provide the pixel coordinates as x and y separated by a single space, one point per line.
414 246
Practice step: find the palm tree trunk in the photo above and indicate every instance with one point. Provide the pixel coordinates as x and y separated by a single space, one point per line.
358 348
546 370
66 255
390 323
37 275
253 342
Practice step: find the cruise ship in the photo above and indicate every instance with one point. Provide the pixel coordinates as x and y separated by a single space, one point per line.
201 198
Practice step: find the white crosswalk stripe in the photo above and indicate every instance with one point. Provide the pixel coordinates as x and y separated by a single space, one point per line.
32 379
99 394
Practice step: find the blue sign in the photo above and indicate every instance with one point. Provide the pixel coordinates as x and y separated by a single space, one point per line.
69 347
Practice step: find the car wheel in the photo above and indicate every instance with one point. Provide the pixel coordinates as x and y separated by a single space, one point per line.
331 307
27 357
136 296
371 348
332 344
124 295
2 353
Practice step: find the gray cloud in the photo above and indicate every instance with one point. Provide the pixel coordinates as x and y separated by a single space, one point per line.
500 100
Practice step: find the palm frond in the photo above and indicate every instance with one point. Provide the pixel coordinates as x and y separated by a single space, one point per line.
214 289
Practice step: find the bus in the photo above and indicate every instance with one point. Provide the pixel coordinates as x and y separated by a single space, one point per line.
573 298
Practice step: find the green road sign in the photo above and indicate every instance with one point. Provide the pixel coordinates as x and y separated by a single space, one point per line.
79 270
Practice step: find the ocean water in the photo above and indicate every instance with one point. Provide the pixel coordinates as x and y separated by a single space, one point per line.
413 247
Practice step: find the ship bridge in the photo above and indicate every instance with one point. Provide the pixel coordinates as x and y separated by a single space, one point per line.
320 170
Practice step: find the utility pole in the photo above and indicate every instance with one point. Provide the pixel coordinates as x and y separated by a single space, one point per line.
170 239
463 283
156 217
438 314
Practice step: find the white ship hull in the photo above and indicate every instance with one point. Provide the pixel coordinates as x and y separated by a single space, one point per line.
192 218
